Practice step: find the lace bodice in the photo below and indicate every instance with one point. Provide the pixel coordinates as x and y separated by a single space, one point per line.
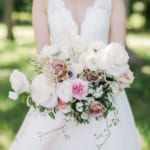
94 26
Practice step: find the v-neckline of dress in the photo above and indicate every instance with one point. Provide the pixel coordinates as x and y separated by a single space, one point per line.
79 26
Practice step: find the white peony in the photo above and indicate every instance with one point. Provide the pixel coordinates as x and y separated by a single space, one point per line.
49 50
82 58
115 59
19 82
13 95
43 91
64 91
115 53
117 70
66 50
99 60
76 68
96 46
91 61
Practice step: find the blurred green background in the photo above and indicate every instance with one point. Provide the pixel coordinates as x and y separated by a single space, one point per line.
17 45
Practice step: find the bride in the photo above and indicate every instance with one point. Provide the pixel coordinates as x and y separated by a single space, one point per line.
93 20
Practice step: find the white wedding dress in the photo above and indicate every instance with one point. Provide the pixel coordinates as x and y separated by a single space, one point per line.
40 132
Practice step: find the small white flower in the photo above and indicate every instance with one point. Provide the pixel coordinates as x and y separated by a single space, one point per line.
84 116
91 91
79 106
13 95
43 91
64 91
98 94
115 87
99 89
19 82
67 110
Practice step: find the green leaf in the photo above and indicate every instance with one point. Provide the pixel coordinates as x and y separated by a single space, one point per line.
24 97
51 114
56 54
42 109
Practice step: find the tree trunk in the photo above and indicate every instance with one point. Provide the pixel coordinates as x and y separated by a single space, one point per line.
147 15
8 10
127 4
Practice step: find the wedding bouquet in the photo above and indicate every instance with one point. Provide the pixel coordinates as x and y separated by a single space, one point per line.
80 80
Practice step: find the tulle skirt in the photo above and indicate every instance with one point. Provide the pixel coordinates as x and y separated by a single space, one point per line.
40 132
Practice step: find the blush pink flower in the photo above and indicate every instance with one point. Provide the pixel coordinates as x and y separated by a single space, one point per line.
61 104
59 68
79 88
96 109
125 80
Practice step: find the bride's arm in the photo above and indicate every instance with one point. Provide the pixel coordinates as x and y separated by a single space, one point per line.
118 22
40 23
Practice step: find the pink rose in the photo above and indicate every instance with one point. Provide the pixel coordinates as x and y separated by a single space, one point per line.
96 109
79 88
61 104
125 80
59 68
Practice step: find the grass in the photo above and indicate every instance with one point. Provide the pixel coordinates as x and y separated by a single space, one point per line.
16 54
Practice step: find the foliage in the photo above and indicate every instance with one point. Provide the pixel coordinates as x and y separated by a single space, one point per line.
23 5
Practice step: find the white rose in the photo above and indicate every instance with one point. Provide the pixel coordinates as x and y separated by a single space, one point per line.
64 91
48 51
96 46
76 68
43 91
13 95
91 61
19 82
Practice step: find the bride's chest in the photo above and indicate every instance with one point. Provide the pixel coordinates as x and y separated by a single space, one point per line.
95 21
